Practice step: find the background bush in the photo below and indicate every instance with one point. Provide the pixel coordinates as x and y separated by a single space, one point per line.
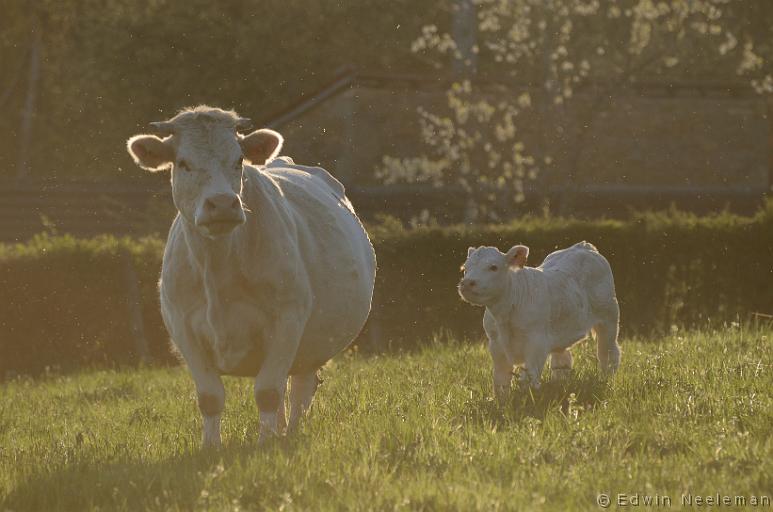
64 300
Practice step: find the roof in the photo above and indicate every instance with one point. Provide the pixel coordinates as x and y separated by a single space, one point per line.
348 77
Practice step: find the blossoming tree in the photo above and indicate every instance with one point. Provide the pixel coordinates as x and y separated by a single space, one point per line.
539 56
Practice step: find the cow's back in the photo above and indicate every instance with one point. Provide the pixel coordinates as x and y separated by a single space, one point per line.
328 227
337 256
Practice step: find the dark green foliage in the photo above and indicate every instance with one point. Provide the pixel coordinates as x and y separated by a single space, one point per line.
65 303
671 270
64 300
110 67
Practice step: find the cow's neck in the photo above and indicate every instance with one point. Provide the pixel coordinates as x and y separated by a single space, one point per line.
208 255
217 265
238 255
224 256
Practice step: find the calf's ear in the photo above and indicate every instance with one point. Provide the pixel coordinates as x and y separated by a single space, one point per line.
517 255
261 146
150 152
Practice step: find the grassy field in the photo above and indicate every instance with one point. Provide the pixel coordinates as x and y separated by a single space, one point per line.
687 414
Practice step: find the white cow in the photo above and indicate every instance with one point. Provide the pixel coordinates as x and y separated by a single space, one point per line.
267 272
534 312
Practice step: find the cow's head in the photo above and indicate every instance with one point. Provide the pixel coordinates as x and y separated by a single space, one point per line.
486 273
206 155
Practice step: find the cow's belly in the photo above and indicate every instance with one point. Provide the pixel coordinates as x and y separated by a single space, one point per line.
231 334
337 317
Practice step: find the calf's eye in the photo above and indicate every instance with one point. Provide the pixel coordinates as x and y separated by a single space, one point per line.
493 268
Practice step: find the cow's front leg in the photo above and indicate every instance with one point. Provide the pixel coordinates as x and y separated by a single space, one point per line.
211 397
209 390
271 381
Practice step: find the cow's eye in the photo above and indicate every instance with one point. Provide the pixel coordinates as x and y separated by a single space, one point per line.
182 164
493 268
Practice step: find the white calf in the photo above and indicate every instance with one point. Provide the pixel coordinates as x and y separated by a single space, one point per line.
534 312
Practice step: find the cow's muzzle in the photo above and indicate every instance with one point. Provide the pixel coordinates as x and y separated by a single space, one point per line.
221 213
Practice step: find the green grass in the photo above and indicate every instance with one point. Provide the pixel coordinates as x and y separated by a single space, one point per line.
685 414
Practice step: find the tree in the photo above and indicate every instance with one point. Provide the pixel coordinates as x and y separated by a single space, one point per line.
108 67
539 57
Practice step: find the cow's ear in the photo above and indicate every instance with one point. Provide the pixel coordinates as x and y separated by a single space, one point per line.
470 250
261 146
517 255
150 152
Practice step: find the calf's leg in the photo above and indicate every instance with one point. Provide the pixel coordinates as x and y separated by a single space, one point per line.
560 365
607 349
502 372
502 364
534 361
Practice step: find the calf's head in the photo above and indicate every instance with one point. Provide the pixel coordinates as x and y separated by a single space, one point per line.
206 155
486 273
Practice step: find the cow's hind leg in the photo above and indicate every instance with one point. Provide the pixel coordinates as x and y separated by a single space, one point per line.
606 331
302 389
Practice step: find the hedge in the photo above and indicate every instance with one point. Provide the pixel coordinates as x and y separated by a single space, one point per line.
69 303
